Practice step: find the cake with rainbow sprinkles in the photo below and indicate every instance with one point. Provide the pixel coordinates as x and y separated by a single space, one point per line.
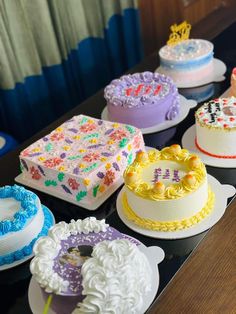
166 190
81 159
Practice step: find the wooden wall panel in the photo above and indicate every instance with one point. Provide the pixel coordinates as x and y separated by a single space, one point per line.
158 15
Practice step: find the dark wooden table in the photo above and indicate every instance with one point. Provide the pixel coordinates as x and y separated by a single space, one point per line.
206 281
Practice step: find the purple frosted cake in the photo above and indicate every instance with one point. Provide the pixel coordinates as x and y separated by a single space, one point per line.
60 263
142 99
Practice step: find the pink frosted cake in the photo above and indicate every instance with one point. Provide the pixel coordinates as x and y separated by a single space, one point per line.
188 61
142 99
88 261
82 158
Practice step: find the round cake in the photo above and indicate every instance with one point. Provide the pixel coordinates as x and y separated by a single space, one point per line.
142 99
22 221
72 255
166 190
188 60
216 128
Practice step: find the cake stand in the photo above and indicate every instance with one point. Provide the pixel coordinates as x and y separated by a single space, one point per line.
222 193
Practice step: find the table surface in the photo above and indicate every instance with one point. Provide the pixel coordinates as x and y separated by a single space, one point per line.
195 258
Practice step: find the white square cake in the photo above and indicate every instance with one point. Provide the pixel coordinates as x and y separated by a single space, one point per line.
82 158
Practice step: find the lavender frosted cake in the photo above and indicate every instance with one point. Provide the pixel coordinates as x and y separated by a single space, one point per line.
72 255
142 99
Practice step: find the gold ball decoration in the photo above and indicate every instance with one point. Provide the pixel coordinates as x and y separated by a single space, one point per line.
142 157
190 179
194 162
159 188
175 149
131 178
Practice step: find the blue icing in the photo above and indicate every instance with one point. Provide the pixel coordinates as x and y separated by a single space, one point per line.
27 250
189 64
28 208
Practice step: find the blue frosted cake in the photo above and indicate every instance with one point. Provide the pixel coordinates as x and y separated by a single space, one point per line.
190 60
22 221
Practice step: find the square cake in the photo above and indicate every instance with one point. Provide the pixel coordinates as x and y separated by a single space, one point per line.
82 158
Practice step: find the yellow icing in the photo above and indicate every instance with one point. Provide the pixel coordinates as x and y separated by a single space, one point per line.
76 137
93 140
66 148
102 188
86 182
172 191
115 125
108 166
118 158
167 225
59 129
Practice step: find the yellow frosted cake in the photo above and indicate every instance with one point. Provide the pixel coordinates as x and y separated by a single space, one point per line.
167 190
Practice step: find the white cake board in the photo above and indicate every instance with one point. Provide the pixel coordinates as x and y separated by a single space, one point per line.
21 261
222 193
33 184
185 106
216 76
188 142
154 254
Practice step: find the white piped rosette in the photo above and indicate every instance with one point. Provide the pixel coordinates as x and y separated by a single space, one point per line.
123 278
47 248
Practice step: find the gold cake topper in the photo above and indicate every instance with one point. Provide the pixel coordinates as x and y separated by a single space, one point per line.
179 33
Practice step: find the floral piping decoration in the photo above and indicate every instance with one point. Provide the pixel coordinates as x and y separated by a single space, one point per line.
27 250
27 210
109 177
166 225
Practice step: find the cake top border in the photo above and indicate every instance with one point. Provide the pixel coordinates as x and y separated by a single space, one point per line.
211 114
140 83
167 50
157 191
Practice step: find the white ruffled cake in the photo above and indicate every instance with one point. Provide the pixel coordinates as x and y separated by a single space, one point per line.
68 260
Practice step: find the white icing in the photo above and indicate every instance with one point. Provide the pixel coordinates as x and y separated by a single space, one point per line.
171 209
115 280
47 248
214 124
14 241
218 113
8 207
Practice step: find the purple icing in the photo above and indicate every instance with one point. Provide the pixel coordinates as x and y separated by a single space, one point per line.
142 99
75 250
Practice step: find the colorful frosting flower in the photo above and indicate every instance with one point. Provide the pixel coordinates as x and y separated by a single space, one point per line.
87 127
73 184
25 153
137 142
52 162
91 157
117 135
109 177
57 136
35 173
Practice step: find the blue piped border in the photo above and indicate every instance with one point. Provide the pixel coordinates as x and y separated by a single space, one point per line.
28 249
28 208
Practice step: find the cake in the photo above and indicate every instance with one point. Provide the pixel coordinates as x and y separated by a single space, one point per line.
232 91
187 61
216 128
22 221
142 99
82 159
166 190
89 263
